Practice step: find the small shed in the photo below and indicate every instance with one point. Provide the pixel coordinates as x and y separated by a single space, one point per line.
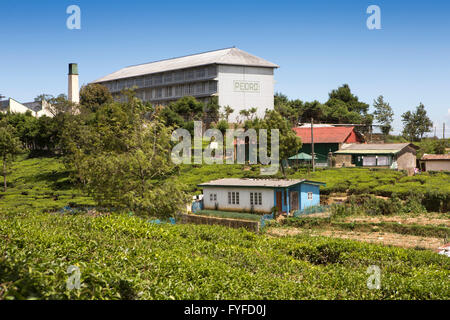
435 162
401 156
260 195
301 159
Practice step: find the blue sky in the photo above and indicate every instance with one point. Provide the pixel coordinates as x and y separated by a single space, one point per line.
318 44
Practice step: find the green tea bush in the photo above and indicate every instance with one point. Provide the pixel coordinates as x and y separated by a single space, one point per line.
123 257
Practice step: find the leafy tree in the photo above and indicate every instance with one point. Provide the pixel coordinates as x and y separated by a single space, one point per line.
416 124
227 112
312 110
9 147
383 114
344 107
94 95
123 158
289 142
211 111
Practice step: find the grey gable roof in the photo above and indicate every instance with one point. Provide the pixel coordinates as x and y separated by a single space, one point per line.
257 183
229 56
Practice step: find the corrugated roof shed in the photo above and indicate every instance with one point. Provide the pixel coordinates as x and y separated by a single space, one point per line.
228 56
436 157
262 183
375 148
325 134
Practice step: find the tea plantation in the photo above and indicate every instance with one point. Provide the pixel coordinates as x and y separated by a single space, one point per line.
123 257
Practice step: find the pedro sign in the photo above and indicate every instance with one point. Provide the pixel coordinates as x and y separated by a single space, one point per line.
246 86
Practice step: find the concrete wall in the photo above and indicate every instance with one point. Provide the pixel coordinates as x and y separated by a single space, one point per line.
437 165
245 87
244 199
406 159
343 160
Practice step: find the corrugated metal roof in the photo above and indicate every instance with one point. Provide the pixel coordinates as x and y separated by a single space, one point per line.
436 157
256 183
229 56
376 148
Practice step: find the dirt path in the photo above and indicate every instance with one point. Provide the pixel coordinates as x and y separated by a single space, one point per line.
423 220
394 239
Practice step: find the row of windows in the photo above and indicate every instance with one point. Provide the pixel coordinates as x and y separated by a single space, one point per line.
207 87
162 78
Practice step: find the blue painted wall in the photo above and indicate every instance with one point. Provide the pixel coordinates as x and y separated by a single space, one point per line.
305 189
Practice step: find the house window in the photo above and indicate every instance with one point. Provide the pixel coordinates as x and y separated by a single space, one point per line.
237 197
255 198
229 197
310 195
212 197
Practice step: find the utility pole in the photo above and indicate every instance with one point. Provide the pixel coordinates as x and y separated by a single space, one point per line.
443 132
312 145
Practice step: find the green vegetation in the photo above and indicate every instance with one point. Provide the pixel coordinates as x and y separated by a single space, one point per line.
41 184
230 215
122 257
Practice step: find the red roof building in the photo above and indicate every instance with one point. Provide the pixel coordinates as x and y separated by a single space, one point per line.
328 135
326 139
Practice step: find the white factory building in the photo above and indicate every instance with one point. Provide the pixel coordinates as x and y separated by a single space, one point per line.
239 79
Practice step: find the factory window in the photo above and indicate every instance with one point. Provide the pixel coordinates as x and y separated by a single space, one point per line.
159 93
179 76
168 77
168 91
200 87
179 91
114 86
200 73
140 82
130 83
190 75
157 79
212 86
121 84
148 81
212 71
191 89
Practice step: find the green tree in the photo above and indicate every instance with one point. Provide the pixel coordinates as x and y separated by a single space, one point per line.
211 112
383 114
227 112
416 123
9 147
289 142
94 95
123 158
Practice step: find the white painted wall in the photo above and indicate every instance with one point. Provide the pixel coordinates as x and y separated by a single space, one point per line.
244 199
437 165
16 107
243 98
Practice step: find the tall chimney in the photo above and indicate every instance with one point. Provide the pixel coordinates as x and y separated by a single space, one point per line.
74 90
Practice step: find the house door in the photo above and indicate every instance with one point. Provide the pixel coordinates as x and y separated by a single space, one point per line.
293 201
279 204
